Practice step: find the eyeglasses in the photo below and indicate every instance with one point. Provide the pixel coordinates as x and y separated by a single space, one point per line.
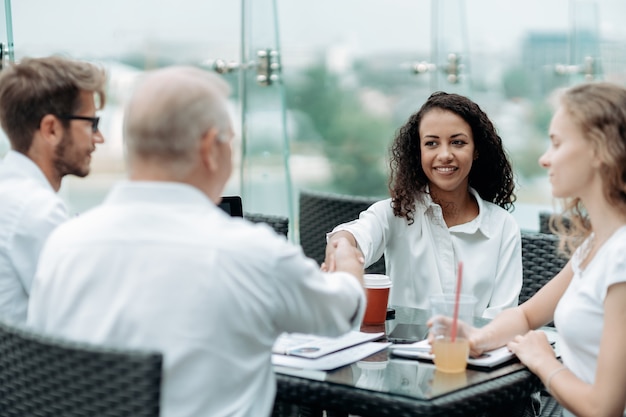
94 120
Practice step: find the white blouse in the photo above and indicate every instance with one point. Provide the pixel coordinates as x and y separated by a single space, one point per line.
422 258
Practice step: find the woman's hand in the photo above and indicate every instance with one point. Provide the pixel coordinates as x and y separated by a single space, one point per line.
533 349
439 324
330 261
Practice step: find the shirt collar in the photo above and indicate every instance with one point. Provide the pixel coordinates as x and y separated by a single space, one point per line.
157 192
24 166
480 223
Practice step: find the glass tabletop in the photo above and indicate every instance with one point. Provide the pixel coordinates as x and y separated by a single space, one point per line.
384 372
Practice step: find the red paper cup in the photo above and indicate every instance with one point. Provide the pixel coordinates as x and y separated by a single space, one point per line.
377 287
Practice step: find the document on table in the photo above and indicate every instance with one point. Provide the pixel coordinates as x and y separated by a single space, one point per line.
332 360
312 346
421 350
302 351
488 360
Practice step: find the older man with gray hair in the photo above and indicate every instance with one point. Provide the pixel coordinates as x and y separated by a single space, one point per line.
160 266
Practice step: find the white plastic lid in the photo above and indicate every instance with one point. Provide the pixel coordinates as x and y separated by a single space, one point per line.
377 281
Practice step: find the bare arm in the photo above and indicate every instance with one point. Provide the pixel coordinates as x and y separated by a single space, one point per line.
606 397
534 313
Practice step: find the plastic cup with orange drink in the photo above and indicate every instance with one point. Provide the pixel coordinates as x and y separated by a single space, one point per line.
450 345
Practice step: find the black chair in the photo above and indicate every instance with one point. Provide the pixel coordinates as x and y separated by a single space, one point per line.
280 224
46 376
544 222
320 212
550 407
540 261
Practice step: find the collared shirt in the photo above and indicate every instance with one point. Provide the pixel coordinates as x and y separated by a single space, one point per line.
422 258
29 210
579 315
159 266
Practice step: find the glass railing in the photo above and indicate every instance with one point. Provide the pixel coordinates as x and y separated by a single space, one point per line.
340 78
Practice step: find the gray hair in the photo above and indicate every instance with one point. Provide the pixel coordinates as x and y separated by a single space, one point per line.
171 109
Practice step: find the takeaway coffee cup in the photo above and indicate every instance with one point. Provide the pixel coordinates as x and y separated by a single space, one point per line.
377 287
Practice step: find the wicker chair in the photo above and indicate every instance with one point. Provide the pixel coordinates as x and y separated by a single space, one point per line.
280 224
544 222
46 376
321 212
540 261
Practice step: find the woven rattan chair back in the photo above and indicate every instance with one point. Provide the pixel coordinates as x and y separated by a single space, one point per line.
540 260
45 376
544 222
320 213
280 224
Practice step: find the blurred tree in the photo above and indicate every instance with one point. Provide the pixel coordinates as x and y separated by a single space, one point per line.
526 160
542 114
516 83
354 141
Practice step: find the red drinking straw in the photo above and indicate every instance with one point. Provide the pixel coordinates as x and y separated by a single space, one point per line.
457 297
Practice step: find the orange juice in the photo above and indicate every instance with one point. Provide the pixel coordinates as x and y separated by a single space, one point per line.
450 357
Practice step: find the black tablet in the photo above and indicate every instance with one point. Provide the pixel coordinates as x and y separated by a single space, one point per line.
232 205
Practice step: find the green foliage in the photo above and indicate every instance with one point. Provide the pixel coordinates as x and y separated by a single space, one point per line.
516 83
542 114
354 141
527 159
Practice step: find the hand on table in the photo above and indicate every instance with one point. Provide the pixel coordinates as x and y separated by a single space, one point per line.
532 349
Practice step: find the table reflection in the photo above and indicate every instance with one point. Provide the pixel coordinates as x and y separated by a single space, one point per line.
385 373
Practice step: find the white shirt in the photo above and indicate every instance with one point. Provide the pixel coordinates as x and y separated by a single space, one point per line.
579 315
421 259
159 266
29 210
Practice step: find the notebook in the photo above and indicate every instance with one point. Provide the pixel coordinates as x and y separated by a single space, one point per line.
488 360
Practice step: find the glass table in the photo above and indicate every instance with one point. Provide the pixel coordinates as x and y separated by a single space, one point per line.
385 385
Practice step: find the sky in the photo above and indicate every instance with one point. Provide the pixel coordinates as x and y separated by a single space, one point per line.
100 28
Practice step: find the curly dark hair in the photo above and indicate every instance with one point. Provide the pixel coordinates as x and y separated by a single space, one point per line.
491 174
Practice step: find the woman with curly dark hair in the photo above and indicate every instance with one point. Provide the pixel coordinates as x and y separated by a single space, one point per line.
451 185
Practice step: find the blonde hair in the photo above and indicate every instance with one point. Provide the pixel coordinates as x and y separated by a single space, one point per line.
599 110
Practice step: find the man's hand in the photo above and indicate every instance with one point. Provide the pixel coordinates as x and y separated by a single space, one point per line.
344 257
329 264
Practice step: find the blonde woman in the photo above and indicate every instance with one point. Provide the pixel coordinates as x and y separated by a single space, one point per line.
586 164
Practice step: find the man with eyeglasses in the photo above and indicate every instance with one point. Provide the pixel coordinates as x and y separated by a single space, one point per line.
47 110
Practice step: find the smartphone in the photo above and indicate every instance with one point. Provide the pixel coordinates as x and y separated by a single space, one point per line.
408 333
